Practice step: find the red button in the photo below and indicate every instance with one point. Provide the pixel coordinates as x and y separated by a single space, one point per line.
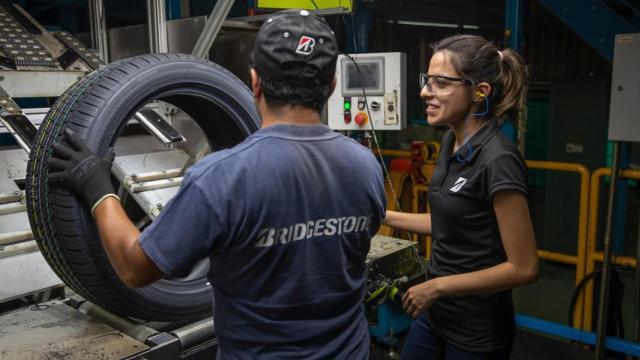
347 118
361 119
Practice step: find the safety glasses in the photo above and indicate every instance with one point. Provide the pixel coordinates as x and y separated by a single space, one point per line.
439 84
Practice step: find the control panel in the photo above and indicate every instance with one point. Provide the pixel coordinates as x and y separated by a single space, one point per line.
370 92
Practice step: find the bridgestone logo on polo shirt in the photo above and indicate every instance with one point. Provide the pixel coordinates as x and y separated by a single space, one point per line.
458 185
313 228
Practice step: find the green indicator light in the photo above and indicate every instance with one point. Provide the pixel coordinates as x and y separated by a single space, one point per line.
347 105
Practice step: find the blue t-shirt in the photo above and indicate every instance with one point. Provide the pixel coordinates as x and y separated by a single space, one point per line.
286 218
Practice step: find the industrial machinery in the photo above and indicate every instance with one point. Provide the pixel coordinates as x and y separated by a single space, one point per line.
155 141
76 329
159 123
40 64
393 267
34 63
370 92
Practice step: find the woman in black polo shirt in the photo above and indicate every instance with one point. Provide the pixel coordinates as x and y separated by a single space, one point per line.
483 241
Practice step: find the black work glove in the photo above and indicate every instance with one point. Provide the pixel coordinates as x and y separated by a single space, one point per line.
78 168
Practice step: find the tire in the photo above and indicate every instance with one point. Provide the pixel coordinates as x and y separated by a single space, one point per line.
97 108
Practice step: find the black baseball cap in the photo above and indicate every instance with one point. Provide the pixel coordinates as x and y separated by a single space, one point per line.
291 37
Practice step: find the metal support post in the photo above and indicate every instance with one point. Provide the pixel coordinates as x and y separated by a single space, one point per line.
514 19
157 23
606 264
98 24
211 28
636 325
622 196
514 38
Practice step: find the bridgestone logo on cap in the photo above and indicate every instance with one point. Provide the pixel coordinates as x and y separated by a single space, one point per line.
305 45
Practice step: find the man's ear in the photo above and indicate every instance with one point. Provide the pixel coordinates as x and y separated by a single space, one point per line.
256 88
333 86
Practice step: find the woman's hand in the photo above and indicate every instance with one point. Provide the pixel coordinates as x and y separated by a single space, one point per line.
419 297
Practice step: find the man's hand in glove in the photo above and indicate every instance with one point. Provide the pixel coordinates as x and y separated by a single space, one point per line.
89 176
82 171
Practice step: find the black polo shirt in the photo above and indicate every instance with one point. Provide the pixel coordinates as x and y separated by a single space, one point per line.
466 237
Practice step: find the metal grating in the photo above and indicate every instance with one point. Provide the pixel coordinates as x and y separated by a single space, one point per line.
87 55
20 47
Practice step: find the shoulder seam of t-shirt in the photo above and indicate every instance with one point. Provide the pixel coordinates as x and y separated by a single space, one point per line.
494 162
363 148
209 204
499 139
506 153
507 185
203 194
160 259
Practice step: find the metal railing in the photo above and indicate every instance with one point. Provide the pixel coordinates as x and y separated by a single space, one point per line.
593 255
580 258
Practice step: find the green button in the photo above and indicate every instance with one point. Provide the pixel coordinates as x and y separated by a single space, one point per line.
347 106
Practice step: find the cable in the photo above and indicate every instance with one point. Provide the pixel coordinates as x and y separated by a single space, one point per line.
579 289
486 108
373 130
467 157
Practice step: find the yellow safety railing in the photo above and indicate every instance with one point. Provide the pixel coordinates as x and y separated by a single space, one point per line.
397 153
593 255
580 259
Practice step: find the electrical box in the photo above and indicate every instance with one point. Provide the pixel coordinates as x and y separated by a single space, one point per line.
371 95
624 121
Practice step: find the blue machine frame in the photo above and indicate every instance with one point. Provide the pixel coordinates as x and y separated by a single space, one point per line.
566 332
392 319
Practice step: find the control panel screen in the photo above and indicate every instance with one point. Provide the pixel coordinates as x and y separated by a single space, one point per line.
368 78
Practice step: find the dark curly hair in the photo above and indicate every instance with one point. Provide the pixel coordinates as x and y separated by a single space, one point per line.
296 92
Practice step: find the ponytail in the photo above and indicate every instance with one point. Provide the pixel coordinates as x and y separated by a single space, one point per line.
511 99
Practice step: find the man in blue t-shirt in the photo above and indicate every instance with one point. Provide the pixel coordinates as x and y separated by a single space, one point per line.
285 217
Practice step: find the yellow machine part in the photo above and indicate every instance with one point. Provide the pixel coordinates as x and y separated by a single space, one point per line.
407 185
401 182
303 4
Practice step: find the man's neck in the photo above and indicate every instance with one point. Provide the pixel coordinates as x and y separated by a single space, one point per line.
289 115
